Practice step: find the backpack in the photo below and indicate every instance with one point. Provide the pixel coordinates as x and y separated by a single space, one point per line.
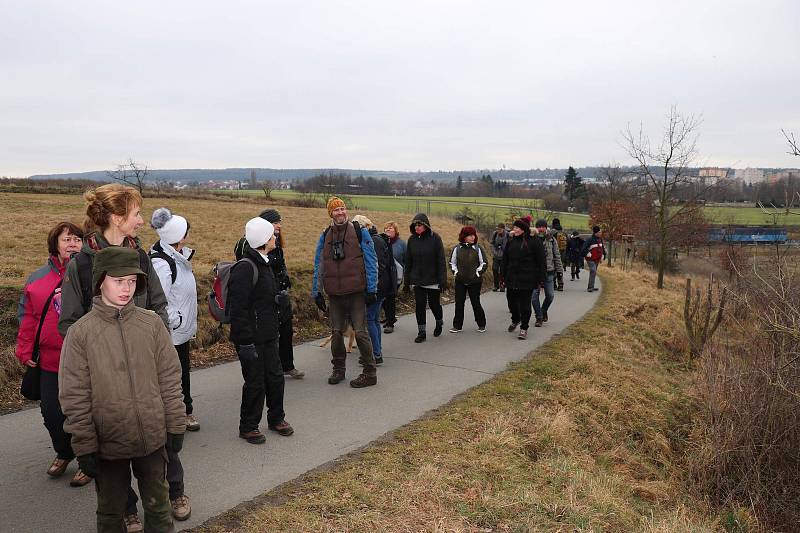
356 226
561 237
399 269
85 263
158 253
218 297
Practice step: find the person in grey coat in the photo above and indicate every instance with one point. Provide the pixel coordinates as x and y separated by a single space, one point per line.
554 268
499 241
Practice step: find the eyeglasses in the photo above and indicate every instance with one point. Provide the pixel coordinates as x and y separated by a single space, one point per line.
76 240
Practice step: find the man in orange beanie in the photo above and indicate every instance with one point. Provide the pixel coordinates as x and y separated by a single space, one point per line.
334 202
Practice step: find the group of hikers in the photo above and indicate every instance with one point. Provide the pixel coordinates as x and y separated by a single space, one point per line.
105 327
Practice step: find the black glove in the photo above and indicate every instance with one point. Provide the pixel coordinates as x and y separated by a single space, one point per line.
282 298
174 442
319 299
247 352
371 298
88 464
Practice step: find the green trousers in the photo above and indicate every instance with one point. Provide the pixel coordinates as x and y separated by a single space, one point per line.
112 482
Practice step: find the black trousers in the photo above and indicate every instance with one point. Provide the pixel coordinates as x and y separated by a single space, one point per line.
53 417
390 309
263 381
285 336
424 298
519 303
186 367
472 290
497 271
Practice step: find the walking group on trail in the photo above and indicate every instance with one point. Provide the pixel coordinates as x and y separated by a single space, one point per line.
106 327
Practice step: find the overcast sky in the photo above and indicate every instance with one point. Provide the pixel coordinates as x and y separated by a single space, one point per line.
389 85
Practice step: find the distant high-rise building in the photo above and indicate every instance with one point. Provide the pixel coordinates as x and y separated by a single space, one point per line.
749 175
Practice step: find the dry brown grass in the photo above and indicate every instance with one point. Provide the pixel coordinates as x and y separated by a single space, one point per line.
585 435
216 226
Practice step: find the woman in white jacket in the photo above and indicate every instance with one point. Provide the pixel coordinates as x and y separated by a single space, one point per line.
171 261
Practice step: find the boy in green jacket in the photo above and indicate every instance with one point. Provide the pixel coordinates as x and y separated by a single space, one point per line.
120 390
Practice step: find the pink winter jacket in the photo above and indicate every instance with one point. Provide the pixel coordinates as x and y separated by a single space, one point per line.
37 290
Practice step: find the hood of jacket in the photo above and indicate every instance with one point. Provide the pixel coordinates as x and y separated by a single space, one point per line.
420 217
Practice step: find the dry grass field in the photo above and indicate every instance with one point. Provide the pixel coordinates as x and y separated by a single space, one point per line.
216 225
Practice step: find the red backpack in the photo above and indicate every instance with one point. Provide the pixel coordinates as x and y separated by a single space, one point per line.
218 297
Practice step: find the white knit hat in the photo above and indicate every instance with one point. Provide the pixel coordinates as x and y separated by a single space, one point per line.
171 228
258 232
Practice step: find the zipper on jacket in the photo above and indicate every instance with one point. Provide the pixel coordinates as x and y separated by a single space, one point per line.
130 380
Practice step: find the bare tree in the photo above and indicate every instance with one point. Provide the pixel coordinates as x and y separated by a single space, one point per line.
267 186
666 171
794 149
131 173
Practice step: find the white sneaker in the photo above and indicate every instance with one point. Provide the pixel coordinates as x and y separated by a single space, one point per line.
481 330
454 330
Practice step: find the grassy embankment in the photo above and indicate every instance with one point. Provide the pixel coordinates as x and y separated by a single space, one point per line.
216 225
589 433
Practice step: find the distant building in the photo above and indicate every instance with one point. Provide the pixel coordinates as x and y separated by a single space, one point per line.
783 174
712 175
749 175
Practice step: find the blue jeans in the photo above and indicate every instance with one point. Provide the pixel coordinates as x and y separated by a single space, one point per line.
374 326
549 294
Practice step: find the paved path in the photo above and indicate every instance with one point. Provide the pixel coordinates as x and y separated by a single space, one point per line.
223 470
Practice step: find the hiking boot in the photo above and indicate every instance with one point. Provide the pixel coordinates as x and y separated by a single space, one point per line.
282 428
58 467
455 330
590 290
378 359
181 509
253 437
388 329
294 374
192 424
513 326
538 323
79 479
544 316
523 334
133 524
438 329
421 336
364 380
337 376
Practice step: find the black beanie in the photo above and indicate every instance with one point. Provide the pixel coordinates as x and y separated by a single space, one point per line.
541 223
270 215
521 224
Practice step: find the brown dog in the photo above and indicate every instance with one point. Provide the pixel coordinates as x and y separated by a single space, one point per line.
351 339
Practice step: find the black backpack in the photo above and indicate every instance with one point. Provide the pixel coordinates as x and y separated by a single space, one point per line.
158 253
356 226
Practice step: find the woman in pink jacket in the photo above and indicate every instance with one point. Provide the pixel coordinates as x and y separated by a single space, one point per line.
63 240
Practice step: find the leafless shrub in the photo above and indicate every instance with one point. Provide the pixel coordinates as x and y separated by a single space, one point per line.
748 441
697 316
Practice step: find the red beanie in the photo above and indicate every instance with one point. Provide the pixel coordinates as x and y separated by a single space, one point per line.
465 231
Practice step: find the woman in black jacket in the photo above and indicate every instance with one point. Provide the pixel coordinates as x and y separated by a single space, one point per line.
523 270
426 270
254 332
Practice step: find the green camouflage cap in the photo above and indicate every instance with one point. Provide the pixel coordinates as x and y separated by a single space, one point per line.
117 261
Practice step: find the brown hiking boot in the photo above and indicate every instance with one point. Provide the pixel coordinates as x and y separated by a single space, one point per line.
364 380
133 524
337 376
181 509
282 428
253 437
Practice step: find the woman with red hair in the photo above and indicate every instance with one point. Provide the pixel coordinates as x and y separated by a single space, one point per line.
468 263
